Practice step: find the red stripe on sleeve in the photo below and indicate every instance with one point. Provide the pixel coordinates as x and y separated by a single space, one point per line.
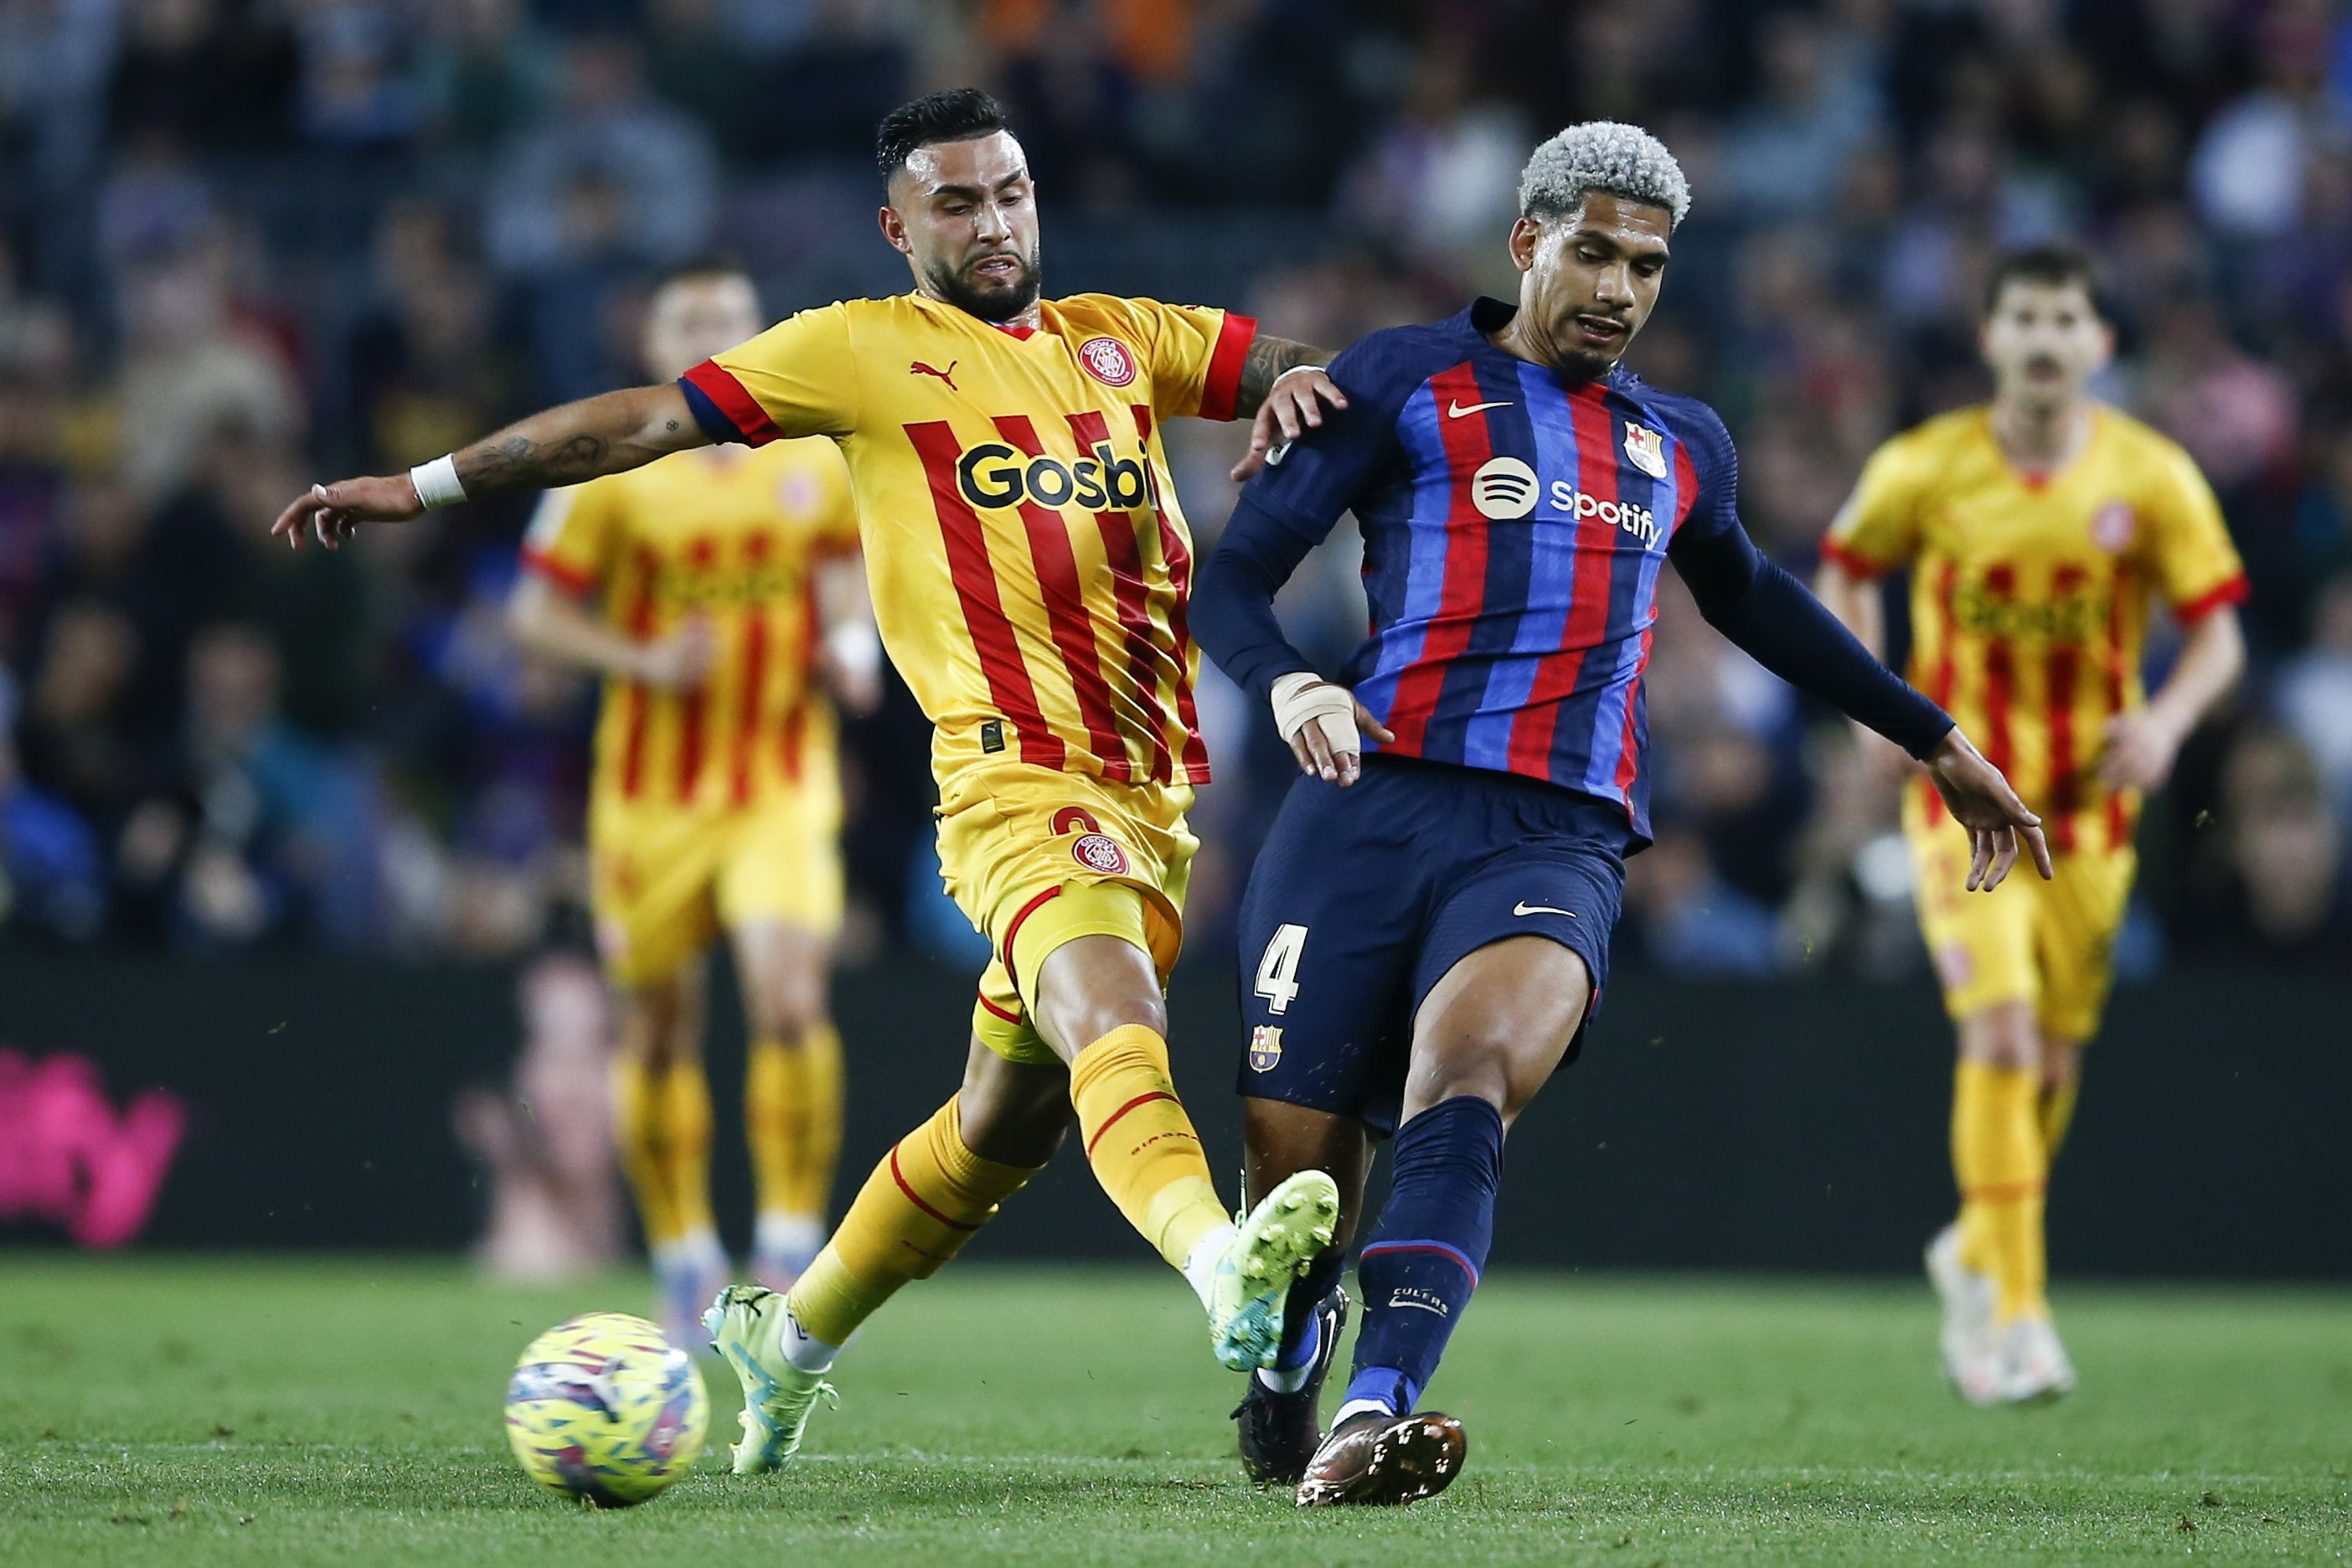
1179 556
1123 553
742 409
1468 445
2232 592
562 573
755 673
2060 675
695 705
1065 610
638 699
1222 384
1855 565
985 621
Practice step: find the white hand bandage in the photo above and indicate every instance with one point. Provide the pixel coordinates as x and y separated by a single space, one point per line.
436 482
1302 697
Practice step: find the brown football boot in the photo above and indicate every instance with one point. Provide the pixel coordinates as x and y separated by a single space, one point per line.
1376 1458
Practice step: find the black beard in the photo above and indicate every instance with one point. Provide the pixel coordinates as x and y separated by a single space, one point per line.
996 302
1577 364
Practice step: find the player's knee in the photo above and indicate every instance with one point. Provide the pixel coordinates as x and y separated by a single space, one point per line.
1089 987
659 1028
1480 1063
2004 1037
786 1012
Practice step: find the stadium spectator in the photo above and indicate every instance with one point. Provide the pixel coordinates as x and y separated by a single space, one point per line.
483 75
545 1140
52 877
613 174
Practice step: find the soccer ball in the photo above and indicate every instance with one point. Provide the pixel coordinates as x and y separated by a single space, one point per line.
604 1409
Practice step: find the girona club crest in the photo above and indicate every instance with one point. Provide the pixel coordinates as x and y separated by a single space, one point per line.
1107 361
2113 526
1100 852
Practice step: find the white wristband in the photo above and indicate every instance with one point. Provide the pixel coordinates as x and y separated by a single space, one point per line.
436 482
1303 696
854 648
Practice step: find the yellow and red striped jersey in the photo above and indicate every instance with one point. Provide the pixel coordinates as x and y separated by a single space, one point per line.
1028 562
2030 592
734 537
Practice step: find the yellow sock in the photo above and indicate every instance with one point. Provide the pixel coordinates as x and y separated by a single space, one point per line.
1997 1157
646 1126
687 1097
1141 1142
791 1111
2058 1113
916 1211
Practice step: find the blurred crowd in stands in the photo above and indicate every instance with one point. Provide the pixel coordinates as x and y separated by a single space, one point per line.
248 243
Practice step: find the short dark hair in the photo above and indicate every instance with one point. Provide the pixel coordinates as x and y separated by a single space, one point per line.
957 114
2054 265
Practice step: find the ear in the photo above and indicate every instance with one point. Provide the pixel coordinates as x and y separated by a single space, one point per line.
1525 231
894 229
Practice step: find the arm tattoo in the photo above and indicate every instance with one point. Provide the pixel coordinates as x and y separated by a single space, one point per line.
1266 360
515 462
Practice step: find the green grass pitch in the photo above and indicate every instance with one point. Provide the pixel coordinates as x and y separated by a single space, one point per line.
192 1412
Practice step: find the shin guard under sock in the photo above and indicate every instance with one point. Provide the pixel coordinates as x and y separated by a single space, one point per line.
1422 1261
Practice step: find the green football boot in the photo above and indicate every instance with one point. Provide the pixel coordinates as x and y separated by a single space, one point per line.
1271 1247
747 1326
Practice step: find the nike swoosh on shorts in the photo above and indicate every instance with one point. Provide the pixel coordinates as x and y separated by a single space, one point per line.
1525 907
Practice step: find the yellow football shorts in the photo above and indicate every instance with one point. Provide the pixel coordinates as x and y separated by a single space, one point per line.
663 882
2048 943
1036 859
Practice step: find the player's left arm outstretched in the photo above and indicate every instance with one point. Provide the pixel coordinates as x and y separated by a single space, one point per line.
608 434
1771 617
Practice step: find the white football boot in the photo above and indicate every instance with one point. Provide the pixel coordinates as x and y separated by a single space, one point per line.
1968 1344
2030 1366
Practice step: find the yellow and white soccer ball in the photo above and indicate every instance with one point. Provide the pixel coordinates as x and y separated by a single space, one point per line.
602 1408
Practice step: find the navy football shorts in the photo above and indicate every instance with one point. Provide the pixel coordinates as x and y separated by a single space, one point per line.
1363 897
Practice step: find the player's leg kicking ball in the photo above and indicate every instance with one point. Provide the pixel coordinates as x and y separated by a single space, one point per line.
1241 1275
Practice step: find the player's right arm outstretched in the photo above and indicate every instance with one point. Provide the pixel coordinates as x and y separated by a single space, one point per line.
609 434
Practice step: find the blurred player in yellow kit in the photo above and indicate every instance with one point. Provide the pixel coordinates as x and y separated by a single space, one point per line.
2035 528
1030 571
720 594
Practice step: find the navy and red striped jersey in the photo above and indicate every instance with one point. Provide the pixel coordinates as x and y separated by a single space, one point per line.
1513 525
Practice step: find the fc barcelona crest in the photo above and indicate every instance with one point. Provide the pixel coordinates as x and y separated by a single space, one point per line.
1265 1048
1645 449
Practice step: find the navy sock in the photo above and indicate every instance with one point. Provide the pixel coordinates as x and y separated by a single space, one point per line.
1422 1261
1299 1341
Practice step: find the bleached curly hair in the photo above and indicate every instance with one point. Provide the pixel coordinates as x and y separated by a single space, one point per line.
1602 155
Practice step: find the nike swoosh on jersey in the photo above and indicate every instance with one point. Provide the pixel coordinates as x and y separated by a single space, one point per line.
1525 907
1453 409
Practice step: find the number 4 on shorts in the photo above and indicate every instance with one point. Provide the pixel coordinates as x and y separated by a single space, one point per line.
1277 972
